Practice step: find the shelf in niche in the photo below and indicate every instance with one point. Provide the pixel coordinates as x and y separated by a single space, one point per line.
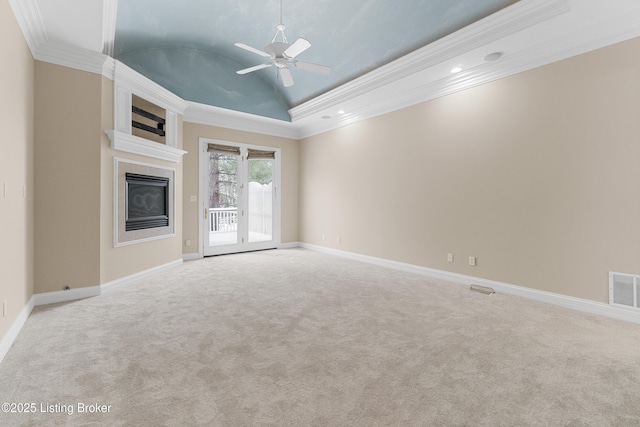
134 144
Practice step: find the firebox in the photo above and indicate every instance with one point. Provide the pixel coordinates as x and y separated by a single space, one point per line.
147 201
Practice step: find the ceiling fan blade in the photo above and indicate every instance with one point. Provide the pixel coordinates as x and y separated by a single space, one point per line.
255 68
285 75
252 49
297 48
316 68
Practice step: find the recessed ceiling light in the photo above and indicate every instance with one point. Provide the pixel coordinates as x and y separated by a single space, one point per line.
326 117
341 112
456 70
493 56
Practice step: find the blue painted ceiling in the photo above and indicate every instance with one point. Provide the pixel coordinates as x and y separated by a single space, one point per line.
188 46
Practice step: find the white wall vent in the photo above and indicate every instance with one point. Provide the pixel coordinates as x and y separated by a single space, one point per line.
624 290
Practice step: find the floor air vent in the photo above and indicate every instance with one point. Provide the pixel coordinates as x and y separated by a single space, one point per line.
624 290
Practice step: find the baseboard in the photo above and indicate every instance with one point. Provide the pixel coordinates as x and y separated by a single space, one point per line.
194 256
72 294
289 245
191 257
7 340
63 296
141 275
572 303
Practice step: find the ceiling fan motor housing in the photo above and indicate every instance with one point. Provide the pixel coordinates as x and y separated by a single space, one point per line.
276 50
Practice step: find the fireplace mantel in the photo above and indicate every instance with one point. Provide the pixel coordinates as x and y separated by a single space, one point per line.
134 144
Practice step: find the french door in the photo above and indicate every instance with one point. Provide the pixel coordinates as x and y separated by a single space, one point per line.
240 201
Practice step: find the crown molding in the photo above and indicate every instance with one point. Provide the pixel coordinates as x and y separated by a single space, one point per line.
29 19
44 49
75 57
109 15
411 91
221 117
129 79
397 85
515 18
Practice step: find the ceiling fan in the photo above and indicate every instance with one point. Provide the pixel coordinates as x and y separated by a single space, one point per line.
282 54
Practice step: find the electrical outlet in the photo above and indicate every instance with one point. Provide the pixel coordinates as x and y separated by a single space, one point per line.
324 237
450 257
187 242
472 261
339 240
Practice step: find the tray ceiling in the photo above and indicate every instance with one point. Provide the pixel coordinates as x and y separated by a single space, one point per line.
385 55
188 46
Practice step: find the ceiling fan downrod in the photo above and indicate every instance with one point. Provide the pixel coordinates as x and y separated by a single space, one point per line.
280 29
281 54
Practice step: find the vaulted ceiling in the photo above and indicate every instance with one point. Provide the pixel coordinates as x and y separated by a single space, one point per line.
188 46
384 54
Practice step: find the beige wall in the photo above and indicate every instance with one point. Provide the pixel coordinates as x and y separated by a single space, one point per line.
116 263
537 175
67 176
16 169
74 186
289 151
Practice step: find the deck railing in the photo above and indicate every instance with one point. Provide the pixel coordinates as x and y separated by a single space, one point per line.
223 219
260 208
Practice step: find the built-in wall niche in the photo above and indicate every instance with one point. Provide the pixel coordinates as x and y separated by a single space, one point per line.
148 120
144 201
155 111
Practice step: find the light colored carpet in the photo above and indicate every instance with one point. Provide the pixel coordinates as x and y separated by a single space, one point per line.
298 338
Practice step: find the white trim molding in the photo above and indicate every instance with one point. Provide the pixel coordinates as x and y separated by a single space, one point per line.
579 304
192 256
127 83
31 23
64 296
521 15
13 332
145 274
71 295
75 57
109 14
134 144
289 245
229 119
530 33
129 80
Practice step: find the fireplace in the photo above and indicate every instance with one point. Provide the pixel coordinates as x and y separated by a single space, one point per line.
144 202
147 202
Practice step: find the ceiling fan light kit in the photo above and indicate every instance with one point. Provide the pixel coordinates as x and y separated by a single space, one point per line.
282 54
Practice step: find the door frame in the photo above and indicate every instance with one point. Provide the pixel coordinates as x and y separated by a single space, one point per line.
203 182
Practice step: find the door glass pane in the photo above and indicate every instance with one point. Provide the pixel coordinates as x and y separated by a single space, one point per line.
260 207
223 199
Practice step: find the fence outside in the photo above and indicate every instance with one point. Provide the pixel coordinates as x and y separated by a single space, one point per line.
260 212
